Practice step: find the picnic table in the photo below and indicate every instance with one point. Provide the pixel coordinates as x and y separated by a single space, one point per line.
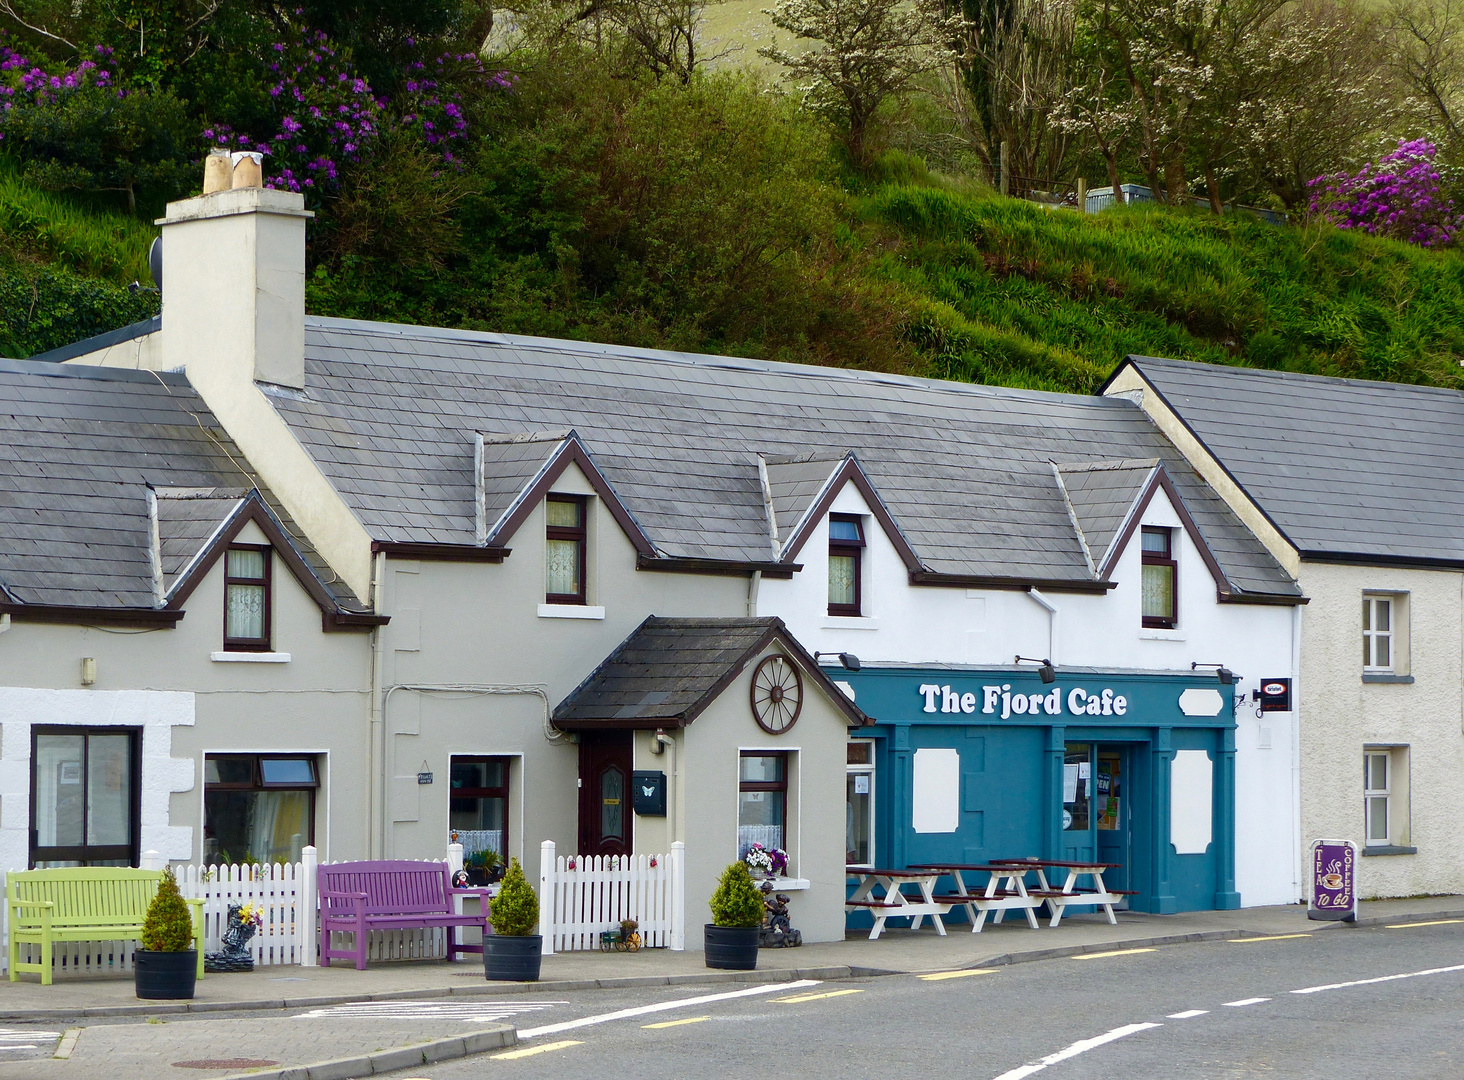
892 902
1005 890
1059 900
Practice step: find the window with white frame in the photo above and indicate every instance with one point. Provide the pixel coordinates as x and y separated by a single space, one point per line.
1384 796
1379 624
859 810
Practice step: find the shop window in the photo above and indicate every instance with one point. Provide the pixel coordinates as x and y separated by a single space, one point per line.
1384 795
1160 571
762 801
478 804
246 599
846 558
859 809
1384 634
84 797
258 807
565 542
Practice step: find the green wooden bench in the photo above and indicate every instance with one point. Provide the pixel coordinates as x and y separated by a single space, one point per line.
84 903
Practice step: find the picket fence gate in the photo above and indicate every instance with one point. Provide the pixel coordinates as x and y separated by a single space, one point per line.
581 896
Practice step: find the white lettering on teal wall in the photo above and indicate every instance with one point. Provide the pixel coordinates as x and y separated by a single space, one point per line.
1079 702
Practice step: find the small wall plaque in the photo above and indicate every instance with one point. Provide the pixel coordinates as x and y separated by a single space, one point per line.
424 778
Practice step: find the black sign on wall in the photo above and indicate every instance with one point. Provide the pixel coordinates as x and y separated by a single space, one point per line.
648 793
1275 695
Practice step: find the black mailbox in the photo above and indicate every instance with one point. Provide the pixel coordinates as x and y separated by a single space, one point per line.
649 793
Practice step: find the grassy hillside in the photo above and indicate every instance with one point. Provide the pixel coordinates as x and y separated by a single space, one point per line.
976 287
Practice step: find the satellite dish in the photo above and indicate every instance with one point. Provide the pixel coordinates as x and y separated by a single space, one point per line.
155 262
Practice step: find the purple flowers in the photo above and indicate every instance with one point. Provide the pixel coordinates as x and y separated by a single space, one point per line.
24 83
1400 197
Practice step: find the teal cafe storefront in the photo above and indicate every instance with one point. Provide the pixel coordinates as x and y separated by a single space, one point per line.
1132 768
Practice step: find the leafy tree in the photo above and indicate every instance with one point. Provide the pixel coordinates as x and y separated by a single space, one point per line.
168 926
864 52
514 912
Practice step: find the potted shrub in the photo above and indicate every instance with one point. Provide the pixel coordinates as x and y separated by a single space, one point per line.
167 964
512 951
737 915
483 867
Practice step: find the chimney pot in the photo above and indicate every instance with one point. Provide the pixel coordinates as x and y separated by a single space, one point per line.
218 172
248 169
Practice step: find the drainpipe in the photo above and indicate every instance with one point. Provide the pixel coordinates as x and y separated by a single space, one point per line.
1299 838
4 622
1051 610
753 584
376 752
661 742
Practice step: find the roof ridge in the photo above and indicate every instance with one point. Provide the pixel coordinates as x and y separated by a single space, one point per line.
1294 376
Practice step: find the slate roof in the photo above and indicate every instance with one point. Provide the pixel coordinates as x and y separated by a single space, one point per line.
1102 495
669 670
391 413
1340 466
78 448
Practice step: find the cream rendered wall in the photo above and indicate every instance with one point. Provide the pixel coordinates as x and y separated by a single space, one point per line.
702 803
478 626
908 624
319 701
1344 714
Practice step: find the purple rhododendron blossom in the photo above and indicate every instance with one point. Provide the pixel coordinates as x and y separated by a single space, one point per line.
1401 196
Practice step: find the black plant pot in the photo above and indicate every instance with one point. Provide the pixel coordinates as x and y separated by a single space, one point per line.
512 959
163 975
733 948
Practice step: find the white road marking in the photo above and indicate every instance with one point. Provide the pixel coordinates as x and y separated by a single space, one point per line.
468 1011
662 1006
1187 1014
1080 1047
1244 1001
1383 979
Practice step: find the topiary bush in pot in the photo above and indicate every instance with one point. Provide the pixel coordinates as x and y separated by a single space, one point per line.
513 951
737 915
167 964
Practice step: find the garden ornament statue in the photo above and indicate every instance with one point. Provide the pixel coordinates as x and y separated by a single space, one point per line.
244 920
777 930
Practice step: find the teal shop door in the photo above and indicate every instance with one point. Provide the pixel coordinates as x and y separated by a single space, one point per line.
1097 810
1079 832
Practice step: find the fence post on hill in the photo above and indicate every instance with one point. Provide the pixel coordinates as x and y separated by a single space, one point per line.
1082 194
1005 176
305 907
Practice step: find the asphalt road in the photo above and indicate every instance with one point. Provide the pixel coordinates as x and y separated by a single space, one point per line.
1295 1007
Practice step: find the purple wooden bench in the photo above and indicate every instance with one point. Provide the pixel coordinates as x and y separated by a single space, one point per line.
359 896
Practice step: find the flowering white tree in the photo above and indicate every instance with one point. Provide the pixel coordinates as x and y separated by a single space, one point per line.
861 53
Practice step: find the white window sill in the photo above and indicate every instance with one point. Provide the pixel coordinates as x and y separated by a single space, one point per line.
250 657
1161 635
570 611
849 622
786 884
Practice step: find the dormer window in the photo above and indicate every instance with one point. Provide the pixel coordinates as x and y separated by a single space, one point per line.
846 556
246 599
565 542
1159 578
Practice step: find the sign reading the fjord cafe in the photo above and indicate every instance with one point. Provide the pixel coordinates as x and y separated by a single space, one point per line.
1001 702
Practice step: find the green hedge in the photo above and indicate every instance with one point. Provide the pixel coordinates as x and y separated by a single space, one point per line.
43 308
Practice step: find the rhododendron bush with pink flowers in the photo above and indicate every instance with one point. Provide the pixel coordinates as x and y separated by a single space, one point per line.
1401 196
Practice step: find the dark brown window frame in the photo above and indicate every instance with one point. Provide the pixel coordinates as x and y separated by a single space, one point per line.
1154 558
483 793
85 853
581 535
257 782
261 644
854 549
779 786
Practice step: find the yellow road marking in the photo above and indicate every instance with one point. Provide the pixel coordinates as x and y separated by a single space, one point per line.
815 997
675 1023
1115 952
939 976
1411 925
1272 937
532 1050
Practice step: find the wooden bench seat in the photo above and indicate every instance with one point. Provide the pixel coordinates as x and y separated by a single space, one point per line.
81 903
870 904
358 897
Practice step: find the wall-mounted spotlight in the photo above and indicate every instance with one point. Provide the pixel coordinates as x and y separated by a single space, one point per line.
1046 672
847 659
1223 673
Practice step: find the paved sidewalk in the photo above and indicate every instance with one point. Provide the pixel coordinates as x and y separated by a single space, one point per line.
69 1000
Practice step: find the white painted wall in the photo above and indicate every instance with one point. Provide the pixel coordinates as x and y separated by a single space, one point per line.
907 624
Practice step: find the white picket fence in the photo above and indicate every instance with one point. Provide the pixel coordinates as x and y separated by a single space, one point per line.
582 895
285 892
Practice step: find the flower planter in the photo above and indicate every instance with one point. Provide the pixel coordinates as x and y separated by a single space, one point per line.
512 959
165 975
733 948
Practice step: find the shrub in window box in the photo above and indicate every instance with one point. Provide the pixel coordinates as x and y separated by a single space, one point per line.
512 951
484 868
731 938
166 967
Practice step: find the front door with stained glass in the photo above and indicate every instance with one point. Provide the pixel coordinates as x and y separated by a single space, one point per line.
605 809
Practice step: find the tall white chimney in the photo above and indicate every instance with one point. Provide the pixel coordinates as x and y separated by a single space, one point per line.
234 286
